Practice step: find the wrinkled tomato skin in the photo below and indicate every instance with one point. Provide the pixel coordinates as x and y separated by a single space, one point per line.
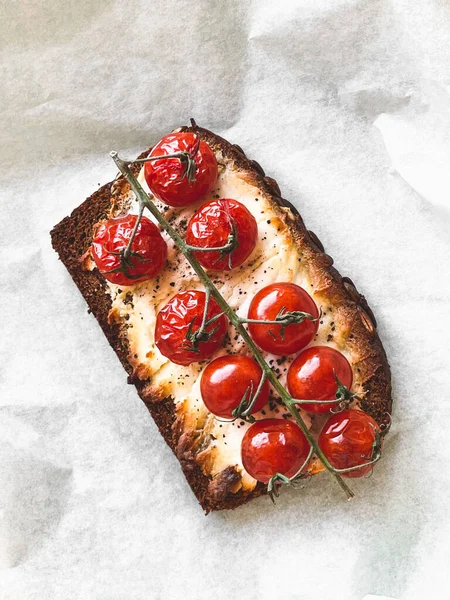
267 304
113 235
346 438
311 376
172 324
273 446
210 227
227 379
164 177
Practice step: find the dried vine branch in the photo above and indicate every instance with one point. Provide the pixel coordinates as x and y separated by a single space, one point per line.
291 404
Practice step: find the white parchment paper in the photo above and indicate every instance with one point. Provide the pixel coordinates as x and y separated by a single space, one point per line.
346 103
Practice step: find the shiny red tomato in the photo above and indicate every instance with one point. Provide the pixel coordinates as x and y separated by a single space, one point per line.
177 328
149 250
166 178
312 376
227 379
273 300
346 440
211 226
273 446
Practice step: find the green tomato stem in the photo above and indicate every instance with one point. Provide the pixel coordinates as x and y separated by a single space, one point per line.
144 200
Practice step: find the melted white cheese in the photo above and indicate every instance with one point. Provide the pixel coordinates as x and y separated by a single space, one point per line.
275 258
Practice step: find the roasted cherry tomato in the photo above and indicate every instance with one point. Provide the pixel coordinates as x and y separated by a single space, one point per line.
273 446
312 376
347 440
148 251
167 178
273 301
211 227
227 379
177 332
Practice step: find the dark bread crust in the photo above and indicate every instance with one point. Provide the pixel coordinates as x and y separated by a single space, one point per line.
73 236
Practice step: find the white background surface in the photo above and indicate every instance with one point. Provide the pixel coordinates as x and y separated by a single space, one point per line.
346 103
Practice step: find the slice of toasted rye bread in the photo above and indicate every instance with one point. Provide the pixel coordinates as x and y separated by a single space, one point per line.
73 236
